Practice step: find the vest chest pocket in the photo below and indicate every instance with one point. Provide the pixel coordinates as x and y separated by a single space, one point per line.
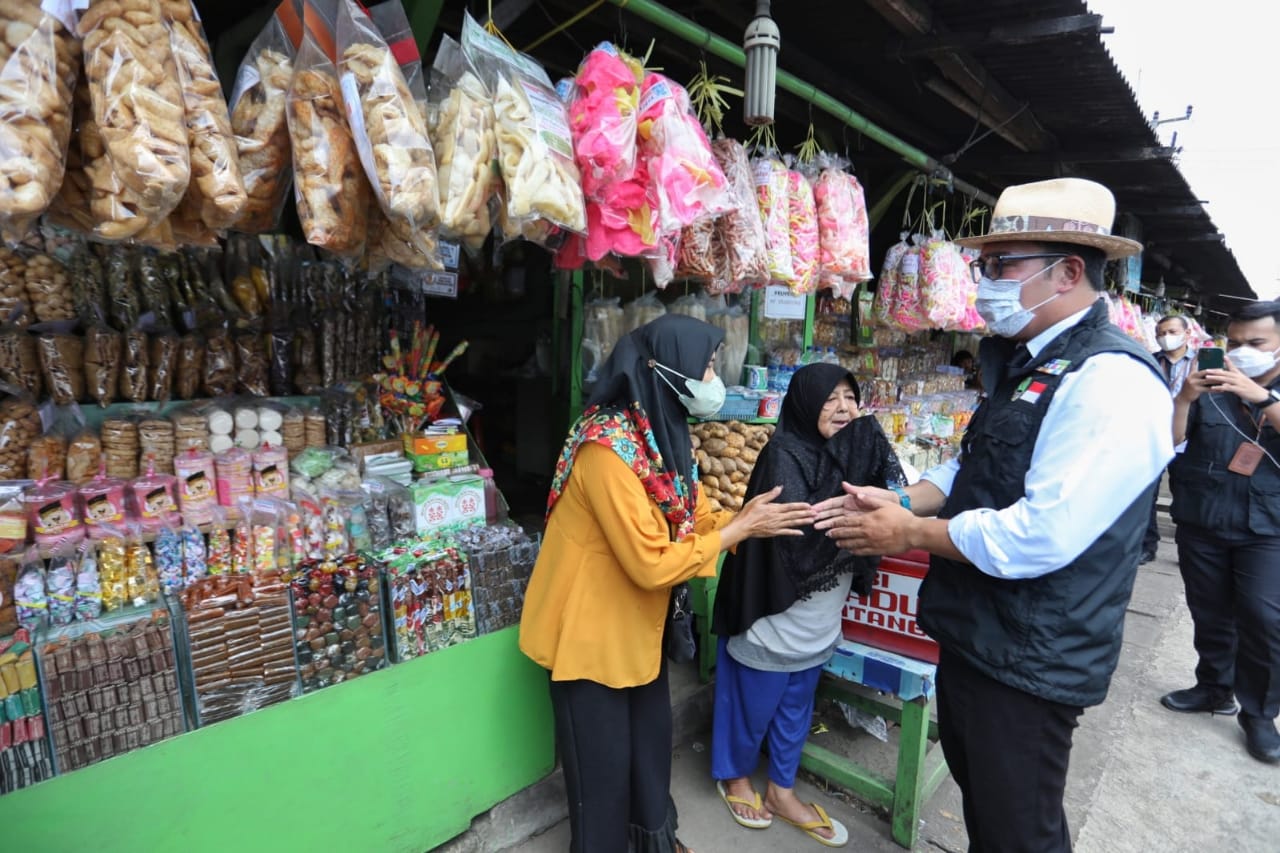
1010 426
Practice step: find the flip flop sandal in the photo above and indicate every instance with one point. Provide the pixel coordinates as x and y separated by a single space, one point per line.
758 804
840 834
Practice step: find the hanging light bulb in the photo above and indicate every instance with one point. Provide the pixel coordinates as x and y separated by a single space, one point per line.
1160 287
1198 309
761 44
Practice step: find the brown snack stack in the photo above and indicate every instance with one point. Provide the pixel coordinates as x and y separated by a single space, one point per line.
134 381
20 362
190 432
120 446
47 457
49 290
102 364
156 445
84 458
62 364
15 307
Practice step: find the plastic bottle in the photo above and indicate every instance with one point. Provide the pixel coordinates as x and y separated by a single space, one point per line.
491 509
830 357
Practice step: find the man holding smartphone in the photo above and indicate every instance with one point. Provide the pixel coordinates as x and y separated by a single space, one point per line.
1226 502
1176 359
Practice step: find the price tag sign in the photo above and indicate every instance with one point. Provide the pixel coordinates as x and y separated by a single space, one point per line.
442 284
781 304
449 253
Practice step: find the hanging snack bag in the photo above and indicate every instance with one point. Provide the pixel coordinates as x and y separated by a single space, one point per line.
135 367
88 603
943 274
155 500
741 230
39 61
258 118
602 117
216 192
329 185
466 147
907 314
102 359
19 426
84 457
803 233
62 365
20 361
689 182
890 282
535 144
388 126
137 101
48 289
842 222
29 592
773 196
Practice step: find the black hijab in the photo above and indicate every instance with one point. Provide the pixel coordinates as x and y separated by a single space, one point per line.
680 343
766 576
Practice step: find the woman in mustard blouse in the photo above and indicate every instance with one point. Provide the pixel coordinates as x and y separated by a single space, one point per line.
624 526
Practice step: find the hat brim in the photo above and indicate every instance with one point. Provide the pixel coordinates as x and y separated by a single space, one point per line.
1115 247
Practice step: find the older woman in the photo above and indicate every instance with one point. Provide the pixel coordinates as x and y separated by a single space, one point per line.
624 526
779 602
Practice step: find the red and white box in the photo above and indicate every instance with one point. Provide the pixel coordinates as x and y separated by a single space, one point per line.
886 619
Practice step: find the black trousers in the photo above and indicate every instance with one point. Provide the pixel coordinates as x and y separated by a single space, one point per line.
1233 592
615 745
1008 751
1151 539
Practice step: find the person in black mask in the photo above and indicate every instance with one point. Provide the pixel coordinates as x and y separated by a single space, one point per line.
779 601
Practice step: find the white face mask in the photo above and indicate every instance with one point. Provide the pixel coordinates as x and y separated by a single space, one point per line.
1169 343
707 399
1252 362
1000 303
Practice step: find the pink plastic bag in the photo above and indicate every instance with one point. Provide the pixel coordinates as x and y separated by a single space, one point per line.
943 274
602 116
803 221
890 281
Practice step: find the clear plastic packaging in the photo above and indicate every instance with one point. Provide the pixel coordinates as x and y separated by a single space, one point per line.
642 310
39 61
62 364
741 230
466 147
197 486
773 195
329 185
804 233
602 116
102 501
29 593
48 287
137 102
102 359
20 361
53 515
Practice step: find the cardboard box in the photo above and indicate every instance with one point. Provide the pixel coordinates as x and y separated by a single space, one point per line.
886 618
419 444
439 461
452 502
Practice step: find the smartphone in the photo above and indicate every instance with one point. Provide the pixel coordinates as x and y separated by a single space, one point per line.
1210 358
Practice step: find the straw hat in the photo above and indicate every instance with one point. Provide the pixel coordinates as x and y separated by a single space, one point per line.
1064 210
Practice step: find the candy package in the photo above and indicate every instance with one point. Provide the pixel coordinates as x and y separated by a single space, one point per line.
102 502
535 144
890 281
88 602
53 514
168 559
258 120
112 568
945 283
843 231
804 237
29 592
60 585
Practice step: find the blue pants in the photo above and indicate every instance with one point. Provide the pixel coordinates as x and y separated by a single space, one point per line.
752 705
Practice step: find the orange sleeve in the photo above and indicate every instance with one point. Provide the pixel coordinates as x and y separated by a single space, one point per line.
640 541
705 518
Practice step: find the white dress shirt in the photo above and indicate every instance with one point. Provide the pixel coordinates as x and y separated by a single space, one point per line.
1103 441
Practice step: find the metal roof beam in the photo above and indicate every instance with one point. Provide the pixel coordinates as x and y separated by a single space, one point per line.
1016 34
1050 161
999 108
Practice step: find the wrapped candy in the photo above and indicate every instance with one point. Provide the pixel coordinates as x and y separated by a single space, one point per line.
88 604
219 559
602 116
169 566
111 572
60 583
690 184
241 547
29 595
803 226
773 196
194 566
741 231
142 585
945 280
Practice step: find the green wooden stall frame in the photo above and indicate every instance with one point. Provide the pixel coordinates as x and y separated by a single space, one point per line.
400 760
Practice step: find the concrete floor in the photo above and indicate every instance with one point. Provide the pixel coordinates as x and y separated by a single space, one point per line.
1143 779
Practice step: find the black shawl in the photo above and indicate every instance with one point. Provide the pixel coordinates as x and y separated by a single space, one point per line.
766 576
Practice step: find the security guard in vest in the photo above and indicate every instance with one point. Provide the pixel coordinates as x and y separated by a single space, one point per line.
1039 524
1226 501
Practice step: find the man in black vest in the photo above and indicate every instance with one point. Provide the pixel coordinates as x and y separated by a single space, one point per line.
1039 524
1226 501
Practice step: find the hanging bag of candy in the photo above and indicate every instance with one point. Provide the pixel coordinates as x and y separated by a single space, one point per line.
803 232
889 283
907 314
943 273
773 197
841 238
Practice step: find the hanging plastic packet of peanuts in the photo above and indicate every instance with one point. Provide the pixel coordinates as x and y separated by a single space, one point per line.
535 144
39 61
461 119
741 231
329 185
216 194
258 119
388 126
137 101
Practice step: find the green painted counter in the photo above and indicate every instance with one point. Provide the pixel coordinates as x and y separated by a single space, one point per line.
399 761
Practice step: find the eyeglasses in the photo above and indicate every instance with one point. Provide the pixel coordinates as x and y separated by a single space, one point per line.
992 266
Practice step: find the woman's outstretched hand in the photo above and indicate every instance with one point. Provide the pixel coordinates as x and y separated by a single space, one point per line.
762 517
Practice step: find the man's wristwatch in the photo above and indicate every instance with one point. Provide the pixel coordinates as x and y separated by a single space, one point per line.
1273 397
903 497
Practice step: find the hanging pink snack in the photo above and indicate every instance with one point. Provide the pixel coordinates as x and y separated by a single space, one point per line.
690 184
625 221
102 500
775 211
602 116
271 471
890 282
197 486
943 293
52 514
155 500
843 232
803 224
906 305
